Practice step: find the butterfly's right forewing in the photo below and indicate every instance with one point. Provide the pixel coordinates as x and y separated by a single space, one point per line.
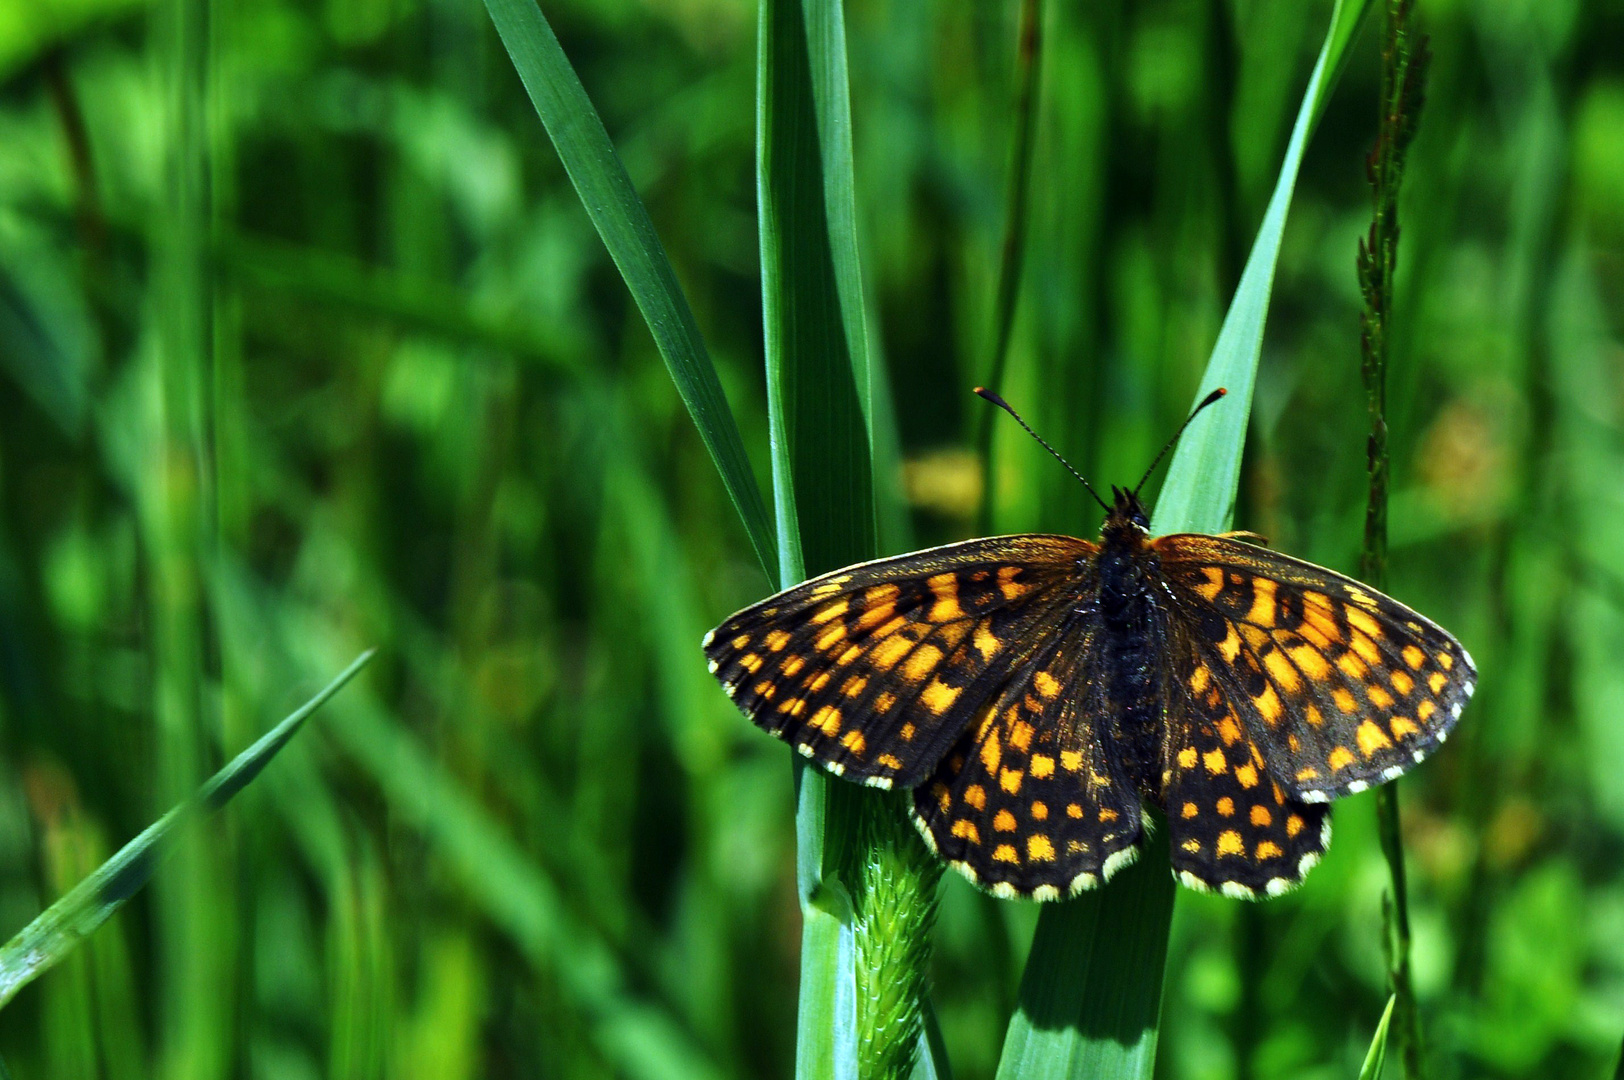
874 671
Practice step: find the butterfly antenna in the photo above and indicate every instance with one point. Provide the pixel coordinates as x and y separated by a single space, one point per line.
1208 400
1002 404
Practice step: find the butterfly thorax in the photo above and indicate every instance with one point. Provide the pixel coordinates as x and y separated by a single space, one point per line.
1132 623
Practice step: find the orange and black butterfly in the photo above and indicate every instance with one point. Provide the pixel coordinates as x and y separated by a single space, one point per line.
1032 690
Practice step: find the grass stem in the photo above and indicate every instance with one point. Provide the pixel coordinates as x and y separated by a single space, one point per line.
1028 52
1404 64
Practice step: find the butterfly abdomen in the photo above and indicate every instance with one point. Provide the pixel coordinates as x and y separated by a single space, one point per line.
1131 640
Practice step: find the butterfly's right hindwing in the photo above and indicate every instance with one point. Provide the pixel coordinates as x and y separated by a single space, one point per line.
1028 802
875 670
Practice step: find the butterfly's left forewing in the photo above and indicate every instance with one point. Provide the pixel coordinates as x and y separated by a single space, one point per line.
1338 686
874 671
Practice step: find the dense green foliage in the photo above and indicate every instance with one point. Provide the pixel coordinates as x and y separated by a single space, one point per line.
307 345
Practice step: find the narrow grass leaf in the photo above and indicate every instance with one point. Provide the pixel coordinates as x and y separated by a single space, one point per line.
70 920
623 222
1377 1054
1090 998
1199 495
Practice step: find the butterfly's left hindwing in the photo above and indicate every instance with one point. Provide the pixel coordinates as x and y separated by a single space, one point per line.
874 671
1339 686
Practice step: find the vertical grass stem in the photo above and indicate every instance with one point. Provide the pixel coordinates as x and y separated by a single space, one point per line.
1404 64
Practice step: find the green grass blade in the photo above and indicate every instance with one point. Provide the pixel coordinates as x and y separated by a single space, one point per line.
622 221
866 883
1199 495
60 929
1377 1055
817 400
1091 994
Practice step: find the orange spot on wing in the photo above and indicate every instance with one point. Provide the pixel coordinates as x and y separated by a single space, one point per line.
1261 818
1039 849
826 720
1268 849
1214 761
921 662
1414 656
965 829
1246 775
1340 758
1371 738
938 697
1229 843
1403 726
1226 807
1005 853
976 796
1189 811
1042 766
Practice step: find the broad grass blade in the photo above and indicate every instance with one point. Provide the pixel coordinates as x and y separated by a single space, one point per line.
818 404
623 222
1091 995
60 929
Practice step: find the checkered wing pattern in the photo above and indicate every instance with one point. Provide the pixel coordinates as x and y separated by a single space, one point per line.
1232 826
1332 686
1026 803
876 670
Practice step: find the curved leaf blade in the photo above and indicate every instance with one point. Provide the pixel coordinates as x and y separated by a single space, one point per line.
61 927
620 217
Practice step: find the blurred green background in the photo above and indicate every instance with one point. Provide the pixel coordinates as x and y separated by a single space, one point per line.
385 388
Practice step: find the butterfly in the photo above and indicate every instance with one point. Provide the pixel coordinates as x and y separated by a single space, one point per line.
1034 691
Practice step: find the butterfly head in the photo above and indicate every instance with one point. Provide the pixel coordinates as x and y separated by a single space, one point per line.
1127 512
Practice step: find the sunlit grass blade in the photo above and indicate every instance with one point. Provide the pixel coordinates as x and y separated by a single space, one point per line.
622 221
1377 1055
1100 1020
60 929
1199 494
866 883
822 478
